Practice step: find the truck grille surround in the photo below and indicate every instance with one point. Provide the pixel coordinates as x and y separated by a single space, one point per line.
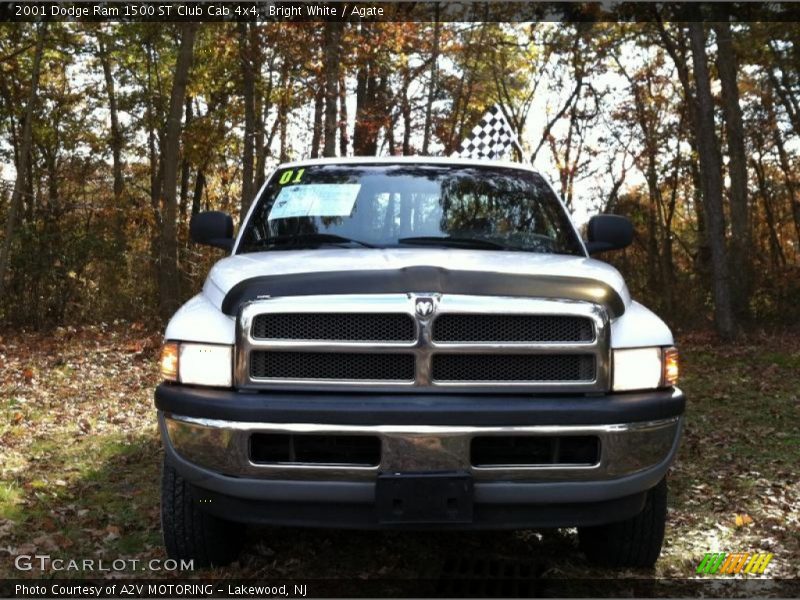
435 342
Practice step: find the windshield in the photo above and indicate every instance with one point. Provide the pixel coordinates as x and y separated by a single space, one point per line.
395 206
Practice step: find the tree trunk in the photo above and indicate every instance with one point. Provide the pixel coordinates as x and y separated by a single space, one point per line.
783 89
199 186
185 168
776 251
654 273
283 114
702 258
362 116
668 263
246 52
711 171
263 106
406 111
788 172
316 135
333 33
120 214
24 155
741 239
372 112
344 139
426 136
169 284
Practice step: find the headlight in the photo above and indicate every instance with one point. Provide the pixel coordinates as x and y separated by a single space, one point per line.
644 368
197 364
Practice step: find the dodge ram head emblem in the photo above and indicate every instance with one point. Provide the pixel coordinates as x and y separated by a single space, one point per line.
424 307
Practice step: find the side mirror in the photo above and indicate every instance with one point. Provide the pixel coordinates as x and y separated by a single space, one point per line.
608 232
212 228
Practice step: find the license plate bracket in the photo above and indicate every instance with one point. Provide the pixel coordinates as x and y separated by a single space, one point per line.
424 498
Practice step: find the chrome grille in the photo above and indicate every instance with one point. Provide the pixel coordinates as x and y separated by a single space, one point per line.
377 342
332 365
388 327
512 328
513 367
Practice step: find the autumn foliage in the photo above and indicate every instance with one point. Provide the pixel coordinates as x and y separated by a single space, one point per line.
113 135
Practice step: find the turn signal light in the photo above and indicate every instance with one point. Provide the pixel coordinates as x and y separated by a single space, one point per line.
169 361
671 369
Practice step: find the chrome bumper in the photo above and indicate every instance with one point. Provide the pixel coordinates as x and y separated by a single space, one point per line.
224 447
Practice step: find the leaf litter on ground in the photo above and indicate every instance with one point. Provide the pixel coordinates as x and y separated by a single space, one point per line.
79 471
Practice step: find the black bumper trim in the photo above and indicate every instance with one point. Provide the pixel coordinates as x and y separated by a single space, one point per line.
363 516
419 409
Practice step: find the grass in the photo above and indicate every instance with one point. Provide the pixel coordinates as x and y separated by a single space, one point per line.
10 500
79 471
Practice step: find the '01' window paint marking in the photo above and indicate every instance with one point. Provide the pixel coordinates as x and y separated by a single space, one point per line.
286 176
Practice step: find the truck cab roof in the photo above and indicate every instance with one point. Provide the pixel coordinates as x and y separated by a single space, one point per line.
417 160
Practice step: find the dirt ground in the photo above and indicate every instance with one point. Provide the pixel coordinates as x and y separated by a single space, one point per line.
79 472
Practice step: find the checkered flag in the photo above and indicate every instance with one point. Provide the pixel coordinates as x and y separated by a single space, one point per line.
491 138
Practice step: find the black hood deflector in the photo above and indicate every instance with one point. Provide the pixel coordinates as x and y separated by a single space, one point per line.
423 280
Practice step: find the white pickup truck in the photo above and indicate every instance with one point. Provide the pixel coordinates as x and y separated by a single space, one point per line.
415 343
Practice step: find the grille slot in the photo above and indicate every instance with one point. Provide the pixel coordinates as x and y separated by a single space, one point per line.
332 365
514 367
512 328
351 327
279 448
527 450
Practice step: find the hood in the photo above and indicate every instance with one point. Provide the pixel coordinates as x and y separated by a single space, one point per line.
482 271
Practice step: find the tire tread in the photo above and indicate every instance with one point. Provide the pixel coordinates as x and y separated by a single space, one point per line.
635 542
190 533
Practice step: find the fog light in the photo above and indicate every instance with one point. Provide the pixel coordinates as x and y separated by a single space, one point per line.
168 362
671 368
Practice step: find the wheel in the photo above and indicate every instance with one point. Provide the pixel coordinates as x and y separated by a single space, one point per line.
191 534
635 542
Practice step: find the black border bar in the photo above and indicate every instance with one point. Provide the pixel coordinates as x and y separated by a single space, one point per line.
440 587
269 11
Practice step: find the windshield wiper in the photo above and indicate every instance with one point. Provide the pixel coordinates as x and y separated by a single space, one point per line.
461 242
305 239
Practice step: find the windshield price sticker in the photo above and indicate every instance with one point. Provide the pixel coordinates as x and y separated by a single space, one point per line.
315 200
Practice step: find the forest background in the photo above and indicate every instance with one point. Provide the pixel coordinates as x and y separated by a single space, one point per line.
112 135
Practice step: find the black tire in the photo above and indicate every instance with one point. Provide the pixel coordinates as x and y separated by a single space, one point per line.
191 534
635 542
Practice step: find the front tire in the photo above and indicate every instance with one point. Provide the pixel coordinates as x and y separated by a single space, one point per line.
635 542
190 533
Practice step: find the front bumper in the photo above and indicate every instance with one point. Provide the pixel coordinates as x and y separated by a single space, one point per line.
212 452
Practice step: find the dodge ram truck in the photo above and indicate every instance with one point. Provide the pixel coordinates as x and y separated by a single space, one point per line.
419 343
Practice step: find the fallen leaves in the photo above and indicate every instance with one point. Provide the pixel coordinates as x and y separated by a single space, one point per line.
46 542
742 520
112 533
80 445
